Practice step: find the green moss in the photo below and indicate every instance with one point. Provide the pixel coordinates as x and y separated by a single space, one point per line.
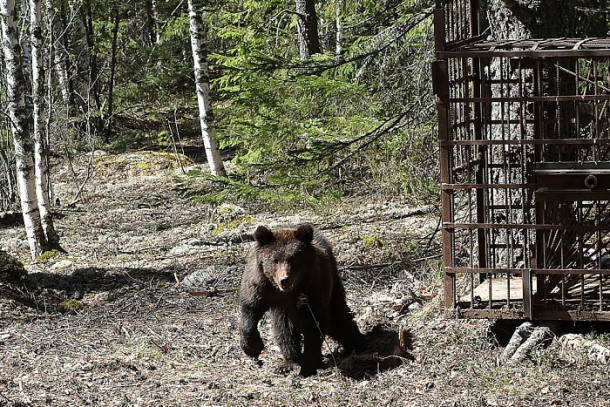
71 305
143 166
233 224
371 241
218 229
51 254
141 163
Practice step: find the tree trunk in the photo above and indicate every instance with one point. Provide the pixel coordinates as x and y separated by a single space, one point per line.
520 19
115 36
339 32
93 68
152 22
20 126
24 41
529 19
309 43
63 78
202 83
8 197
59 38
40 113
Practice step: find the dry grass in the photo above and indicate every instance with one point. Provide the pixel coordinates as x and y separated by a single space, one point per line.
114 323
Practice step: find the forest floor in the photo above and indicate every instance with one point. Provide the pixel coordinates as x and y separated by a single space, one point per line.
142 309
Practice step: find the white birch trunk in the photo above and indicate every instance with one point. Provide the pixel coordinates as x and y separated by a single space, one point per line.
155 22
17 112
41 150
202 83
61 70
24 41
339 32
58 54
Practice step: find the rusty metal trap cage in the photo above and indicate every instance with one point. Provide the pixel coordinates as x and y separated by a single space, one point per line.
524 129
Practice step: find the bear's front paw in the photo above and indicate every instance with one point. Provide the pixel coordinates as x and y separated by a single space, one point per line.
286 367
253 348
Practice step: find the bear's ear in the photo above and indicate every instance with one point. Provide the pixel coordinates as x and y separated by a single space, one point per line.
263 235
305 233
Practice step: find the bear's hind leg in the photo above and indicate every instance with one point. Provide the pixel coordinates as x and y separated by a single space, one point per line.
343 328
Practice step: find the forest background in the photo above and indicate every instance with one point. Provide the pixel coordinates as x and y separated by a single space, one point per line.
353 116
310 102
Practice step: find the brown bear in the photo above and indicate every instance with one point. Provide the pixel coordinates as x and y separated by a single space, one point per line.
293 273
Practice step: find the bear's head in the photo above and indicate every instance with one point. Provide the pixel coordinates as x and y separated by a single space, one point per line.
285 255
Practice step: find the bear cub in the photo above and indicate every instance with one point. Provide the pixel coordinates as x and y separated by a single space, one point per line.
292 273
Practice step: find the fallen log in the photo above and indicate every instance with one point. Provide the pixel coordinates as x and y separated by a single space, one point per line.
525 339
522 332
538 337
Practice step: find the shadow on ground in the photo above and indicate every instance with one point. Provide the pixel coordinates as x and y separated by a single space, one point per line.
50 291
386 349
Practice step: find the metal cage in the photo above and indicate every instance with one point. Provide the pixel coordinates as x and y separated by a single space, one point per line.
524 129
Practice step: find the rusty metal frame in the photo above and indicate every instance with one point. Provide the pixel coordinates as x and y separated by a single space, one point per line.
524 133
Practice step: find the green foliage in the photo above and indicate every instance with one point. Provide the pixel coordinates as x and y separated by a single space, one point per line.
314 126
300 132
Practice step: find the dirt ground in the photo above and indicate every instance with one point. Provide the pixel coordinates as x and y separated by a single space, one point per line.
142 310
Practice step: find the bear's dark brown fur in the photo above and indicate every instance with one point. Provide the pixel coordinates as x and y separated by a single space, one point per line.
292 273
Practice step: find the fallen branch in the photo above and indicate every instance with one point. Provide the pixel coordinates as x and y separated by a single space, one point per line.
522 332
539 335
525 339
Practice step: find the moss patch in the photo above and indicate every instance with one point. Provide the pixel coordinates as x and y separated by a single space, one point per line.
71 305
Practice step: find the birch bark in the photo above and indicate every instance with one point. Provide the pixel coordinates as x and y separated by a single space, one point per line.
20 126
40 112
202 83
59 39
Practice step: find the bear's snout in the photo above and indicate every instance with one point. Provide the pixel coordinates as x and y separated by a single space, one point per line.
283 277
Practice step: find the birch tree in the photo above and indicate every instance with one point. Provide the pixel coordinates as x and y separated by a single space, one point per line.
113 60
29 152
39 117
202 83
58 27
